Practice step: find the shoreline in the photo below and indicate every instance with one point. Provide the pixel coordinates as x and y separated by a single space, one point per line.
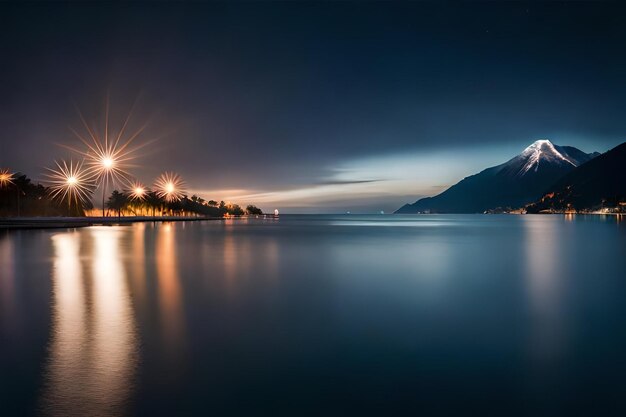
20 223
33 223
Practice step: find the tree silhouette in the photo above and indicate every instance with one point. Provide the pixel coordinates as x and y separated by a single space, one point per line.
153 201
117 201
20 197
234 210
253 210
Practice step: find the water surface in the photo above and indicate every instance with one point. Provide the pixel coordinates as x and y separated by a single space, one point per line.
317 315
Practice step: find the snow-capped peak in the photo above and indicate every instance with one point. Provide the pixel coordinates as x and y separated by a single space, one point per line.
544 150
538 144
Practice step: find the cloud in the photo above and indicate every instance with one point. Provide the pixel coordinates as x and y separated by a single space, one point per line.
371 184
347 182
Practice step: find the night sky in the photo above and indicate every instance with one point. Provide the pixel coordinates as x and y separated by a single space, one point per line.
314 107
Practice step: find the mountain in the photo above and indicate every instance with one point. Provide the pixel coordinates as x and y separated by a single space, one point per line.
599 182
519 181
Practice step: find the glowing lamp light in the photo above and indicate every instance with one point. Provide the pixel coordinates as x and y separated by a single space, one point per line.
71 182
5 177
169 186
137 191
107 163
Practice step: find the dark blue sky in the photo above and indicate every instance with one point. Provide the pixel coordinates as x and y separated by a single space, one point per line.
315 106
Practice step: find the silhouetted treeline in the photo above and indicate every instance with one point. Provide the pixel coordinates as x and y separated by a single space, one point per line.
154 205
20 197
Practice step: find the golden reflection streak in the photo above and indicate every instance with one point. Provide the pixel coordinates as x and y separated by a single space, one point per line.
139 262
93 351
169 285
67 374
7 283
230 257
114 333
231 261
240 256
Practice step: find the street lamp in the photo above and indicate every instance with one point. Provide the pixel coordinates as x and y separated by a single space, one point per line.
107 163
70 181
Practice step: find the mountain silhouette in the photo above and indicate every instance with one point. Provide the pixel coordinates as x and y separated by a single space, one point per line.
515 183
600 182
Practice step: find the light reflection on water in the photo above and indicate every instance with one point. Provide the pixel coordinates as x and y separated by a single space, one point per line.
545 275
331 313
94 346
138 263
170 297
401 223
7 283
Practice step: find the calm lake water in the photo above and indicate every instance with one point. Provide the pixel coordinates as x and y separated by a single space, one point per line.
317 315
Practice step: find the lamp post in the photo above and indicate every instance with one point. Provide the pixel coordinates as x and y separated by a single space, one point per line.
71 182
169 186
137 193
107 165
17 188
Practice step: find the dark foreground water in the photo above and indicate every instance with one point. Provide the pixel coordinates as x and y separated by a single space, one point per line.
317 315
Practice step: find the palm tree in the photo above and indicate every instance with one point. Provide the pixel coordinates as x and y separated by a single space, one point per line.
117 201
153 201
